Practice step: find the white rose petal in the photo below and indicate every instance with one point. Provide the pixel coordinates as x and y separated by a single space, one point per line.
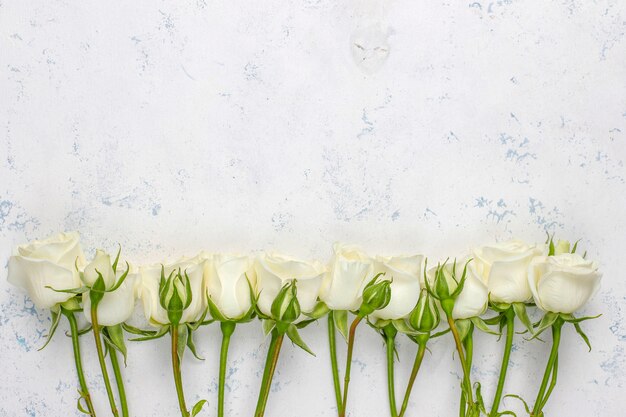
405 273
227 284
563 283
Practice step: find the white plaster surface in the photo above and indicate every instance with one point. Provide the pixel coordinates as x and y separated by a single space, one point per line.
174 126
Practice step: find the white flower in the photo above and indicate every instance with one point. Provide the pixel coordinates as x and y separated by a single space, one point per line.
275 270
473 299
405 273
563 283
504 268
150 280
227 284
50 262
350 270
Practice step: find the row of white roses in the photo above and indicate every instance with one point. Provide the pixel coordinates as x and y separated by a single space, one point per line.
506 273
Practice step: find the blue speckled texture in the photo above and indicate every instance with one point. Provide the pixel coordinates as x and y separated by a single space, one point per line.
172 126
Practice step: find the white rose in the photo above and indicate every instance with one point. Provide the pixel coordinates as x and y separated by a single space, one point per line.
473 299
150 280
275 270
50 262
227 284
405 273
350 269
504 268
563 283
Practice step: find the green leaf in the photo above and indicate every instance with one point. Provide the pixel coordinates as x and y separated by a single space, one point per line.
292 333
521 399
480 325
196 408
191 345
582 334
340 317
79 406
116 336
522 314
55 317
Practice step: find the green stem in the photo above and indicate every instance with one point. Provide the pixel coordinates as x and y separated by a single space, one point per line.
228 327
103 365
555 370
84 391
268 373
510 331
119 380
178 380
466 370
333 359
556 338
416 367
346 381
468 345
390 342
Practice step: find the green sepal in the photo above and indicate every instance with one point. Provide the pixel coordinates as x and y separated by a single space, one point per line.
201 321
268 326
72 304
547 321
463 326
294 336
571 319
402 326
582 334
197 407
340 317
215 311
302 324
441 333
175 307
96 293
81 331
117 259
188 292
55 317
482 326
121 280
115 335
77 291
522 314
319 311
499 307
183 334
149 335
190 343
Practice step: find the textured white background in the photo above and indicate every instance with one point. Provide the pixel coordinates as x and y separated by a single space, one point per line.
171 126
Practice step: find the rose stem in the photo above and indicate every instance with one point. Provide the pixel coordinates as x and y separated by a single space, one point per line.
464 365
556 338
416 367
333 359
268 373
390 342
227 327
119 380
103 365
510 331
178 380
84 391
351 335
